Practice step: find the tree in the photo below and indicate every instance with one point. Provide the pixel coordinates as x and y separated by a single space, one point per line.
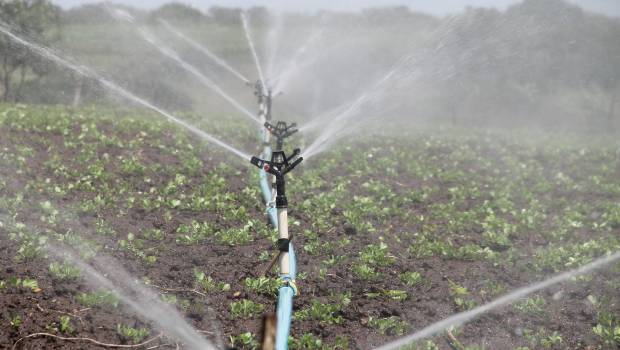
37 20
226 16
178 12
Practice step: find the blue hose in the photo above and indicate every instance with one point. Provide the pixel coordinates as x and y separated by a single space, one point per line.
285 303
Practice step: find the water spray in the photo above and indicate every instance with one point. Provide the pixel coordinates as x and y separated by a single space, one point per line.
174 56
248 36
204 50
264 97
110 85
279 166
466 316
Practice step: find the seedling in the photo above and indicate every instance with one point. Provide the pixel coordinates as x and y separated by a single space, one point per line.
389 326
64 271
99 298
134 334
318 311
411 278
15 321
64 325
246 340
245 309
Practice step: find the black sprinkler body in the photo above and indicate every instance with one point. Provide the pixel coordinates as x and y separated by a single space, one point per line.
281 131
278 166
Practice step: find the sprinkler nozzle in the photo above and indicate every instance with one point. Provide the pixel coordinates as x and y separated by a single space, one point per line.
281 131
257 161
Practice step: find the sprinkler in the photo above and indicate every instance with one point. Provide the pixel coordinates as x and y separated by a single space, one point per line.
279 166
281 131
263 94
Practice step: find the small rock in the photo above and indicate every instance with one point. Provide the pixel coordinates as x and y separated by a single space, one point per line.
518 331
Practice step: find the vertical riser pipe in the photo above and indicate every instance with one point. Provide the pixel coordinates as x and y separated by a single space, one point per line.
285 303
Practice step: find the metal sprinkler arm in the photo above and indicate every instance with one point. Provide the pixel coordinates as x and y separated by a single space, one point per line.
281 131
280 164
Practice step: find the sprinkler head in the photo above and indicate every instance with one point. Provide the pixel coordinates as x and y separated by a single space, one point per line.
279 165
281 131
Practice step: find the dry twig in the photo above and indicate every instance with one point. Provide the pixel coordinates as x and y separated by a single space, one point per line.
454 343
93 341
179 290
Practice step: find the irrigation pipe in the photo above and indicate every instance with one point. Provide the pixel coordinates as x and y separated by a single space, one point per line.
264 106
279 166
464 317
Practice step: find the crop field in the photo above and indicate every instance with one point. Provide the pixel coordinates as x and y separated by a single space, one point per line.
393 231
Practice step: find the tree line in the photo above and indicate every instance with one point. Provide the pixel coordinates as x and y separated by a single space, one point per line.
539 59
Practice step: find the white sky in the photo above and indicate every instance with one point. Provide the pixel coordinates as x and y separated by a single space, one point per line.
437 7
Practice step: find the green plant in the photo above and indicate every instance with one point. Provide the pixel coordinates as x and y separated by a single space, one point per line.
263 285
608 328
398 295
365 272
208 284
246 340
245 309
64 271
193 233
322 312
531 305
136 335
411 278
551 340
64 325
15 321
99 298
29 283
376 255
236 236
306 341
460 296
392 326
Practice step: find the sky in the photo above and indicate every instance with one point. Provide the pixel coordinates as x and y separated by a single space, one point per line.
436 7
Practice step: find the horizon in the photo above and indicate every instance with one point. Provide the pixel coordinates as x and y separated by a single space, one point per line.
446 7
